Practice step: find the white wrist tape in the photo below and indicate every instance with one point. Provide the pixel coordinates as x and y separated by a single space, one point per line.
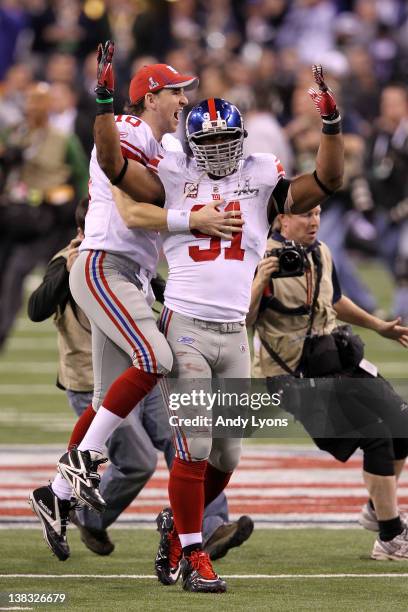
178 220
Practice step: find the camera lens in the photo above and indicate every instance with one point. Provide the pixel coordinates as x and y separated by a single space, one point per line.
290 261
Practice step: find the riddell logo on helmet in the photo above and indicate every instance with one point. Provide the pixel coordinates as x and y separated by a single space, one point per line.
152 83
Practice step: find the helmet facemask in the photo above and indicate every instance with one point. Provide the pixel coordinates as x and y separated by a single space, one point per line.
221 158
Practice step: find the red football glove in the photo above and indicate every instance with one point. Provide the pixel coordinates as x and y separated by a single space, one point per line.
106 81
323 99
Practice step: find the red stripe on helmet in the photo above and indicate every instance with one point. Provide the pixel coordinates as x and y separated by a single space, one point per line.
211 108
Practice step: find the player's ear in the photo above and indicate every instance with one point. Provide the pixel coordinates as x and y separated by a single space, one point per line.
150 100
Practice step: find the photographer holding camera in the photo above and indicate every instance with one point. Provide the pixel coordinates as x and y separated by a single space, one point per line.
320 370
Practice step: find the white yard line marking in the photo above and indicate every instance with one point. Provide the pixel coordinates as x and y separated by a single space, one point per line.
16 608
241 576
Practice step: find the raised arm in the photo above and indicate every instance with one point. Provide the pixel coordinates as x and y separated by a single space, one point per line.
308 190
138 182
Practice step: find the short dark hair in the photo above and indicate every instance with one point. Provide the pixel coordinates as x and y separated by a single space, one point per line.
80 213
138 108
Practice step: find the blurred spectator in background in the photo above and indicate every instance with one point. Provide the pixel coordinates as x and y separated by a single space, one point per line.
13 20
67 26
387 172
12 95
70 118
265 135
309 27
43 170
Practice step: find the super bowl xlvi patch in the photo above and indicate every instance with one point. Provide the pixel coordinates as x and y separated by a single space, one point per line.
152 83
191 190
246 189
185 340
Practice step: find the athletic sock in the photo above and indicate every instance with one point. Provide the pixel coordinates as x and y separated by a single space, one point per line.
122 396
61 487
186 494
102 426
187 550
81 427
390 529
215 481
127 391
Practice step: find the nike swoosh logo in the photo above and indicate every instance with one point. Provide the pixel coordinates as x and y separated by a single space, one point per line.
175 573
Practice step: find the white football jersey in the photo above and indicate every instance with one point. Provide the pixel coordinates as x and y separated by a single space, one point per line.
211 278
104 228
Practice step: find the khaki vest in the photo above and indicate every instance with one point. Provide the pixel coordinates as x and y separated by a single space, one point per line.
286 333
74 346
47 168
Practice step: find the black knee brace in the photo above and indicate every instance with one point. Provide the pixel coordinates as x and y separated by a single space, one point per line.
378 456
400 448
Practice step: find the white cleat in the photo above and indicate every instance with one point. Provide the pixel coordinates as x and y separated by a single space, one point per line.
394 550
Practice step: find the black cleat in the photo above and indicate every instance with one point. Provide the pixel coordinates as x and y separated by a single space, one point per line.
54 516
97 540
198 575
79 468
169 554
229 536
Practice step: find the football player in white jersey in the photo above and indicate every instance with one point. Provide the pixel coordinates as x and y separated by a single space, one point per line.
110 280
208 290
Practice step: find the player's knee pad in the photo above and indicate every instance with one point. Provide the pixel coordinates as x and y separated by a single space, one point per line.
226 454
199 448
378 456
400 448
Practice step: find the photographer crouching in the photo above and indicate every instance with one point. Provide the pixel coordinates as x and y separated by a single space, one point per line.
319 369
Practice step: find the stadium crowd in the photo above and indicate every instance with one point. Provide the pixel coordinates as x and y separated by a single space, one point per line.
254 53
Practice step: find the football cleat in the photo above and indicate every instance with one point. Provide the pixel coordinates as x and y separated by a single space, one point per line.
394 550
79 468
54 516
229 536
198 575
368 518
169 554
96 540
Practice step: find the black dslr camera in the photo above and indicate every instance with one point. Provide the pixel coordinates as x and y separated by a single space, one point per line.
292 259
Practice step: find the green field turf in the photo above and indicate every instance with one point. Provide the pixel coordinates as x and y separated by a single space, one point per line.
270 552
